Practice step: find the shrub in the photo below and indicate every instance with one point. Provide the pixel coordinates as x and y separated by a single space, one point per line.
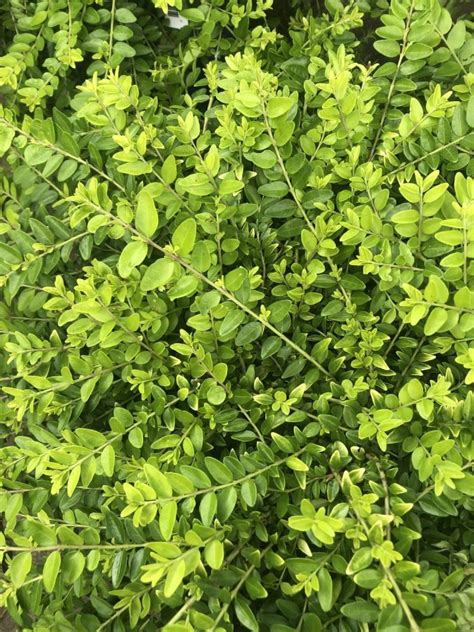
237 316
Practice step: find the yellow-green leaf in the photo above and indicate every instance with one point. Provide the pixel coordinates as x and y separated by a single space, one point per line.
146 216
51 570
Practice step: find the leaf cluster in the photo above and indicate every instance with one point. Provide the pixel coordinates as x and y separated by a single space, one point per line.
237 316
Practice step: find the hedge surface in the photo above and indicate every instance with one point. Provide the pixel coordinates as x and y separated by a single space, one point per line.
237 316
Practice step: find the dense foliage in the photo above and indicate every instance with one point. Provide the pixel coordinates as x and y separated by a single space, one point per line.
237 315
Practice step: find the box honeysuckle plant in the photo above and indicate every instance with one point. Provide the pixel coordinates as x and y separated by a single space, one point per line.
237 315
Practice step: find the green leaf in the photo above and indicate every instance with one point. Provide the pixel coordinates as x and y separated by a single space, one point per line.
296 464
201 257
438 624
214 554
425 408
436 320
387 48
308 240
135 436
168 518
66 171
228 187
325 590
107 459
193 15
184 236
119 566
249 333
277 106
208 508
452 581
125 16
231 321
457 35
235 278
279 310
390 32
418 50
157 275
51 569
283 443
186 286
369 578
87 388
136 168
362 611
410 192
212 161
169 170
265 159
436 291
245 615
273 189
6 138
37 155
412 391
270 346
249 492
20 567
124 50
158 481
216 395
284 132
300 523
131 256
450 237
361 559
435 193
146 217
218 470
174 578
73 479
226 501
197 184
198 477
248 98
470 112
